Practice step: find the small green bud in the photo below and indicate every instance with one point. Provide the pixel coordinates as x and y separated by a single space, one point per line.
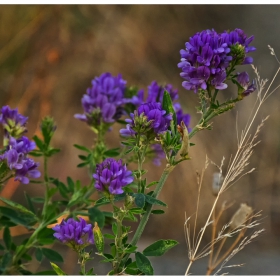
48 128
98 238
238 53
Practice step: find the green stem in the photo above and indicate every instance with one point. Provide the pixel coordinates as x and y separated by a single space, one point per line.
147 214
31 241
118 243
46 179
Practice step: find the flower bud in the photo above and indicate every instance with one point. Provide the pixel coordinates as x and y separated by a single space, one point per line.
98 238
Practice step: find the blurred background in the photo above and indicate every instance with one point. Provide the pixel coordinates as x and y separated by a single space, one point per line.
50 53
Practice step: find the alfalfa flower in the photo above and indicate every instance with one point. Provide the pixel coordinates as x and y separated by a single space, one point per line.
111 176
103 101
16 158
210 56
75 234
14 123
246 87
149 120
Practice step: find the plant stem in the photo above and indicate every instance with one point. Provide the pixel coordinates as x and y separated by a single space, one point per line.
46 179
31 241
118 243
146 216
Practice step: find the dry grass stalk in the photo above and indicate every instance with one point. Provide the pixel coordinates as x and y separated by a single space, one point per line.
236 170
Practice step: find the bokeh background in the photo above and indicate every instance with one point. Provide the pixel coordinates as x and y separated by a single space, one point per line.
50 53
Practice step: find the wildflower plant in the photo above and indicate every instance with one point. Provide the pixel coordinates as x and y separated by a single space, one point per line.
155 127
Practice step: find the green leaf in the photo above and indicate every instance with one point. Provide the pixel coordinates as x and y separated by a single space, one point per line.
40 144
35 153
83 148
102 201
71 184
52 151
7 238
109 236
30 204
139 199
27 257
58 270
52 191
152 200
46 241
114 228
38 199
167 105
112 153
62 188
52 255
136 210
38 254
131 217
82 157
144 264
2 247
159 247
6 259
128 151
17 217
82 164
151 184
157 211
19 207
95 215
130 249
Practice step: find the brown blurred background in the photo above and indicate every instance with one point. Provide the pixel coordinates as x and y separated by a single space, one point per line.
48 56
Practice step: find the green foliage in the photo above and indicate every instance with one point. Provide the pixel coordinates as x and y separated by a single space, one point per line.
95 215
52 255
57 269
7 238
144 264
159 247
39 254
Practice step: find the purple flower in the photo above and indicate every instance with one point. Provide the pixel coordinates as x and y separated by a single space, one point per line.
209 54
155 92
103 101
186 118
244 81
76 234
14 123
111 176
17 160
148 116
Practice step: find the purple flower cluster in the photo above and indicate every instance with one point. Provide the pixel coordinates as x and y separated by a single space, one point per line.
148 116
155 92
17 160
74 233
17 146
103 100
209 54
111 176
14 123
244 81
